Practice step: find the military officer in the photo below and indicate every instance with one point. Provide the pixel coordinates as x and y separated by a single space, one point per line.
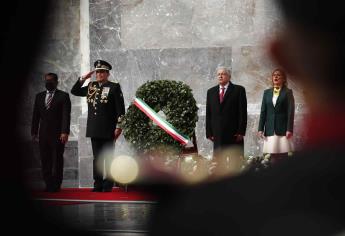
105 110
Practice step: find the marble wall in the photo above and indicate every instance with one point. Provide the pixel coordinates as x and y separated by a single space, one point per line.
58 53
186 40
183 40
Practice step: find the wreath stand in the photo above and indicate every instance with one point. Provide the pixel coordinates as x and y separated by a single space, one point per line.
186 151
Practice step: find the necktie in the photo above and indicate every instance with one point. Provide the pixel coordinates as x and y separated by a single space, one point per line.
221 95
49 100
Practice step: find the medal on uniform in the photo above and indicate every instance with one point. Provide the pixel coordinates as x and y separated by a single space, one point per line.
105 92
91 93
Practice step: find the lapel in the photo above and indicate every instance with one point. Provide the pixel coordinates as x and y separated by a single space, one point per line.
217 92
270 97
228 91
214 97
55 97
42 100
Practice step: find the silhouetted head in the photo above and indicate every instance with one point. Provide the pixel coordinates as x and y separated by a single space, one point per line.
310 46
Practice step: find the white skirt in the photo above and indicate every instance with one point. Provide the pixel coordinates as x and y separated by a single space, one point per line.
277 144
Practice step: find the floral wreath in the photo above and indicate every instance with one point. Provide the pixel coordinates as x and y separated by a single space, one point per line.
171 99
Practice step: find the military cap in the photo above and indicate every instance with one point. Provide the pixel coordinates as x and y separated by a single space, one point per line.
102 65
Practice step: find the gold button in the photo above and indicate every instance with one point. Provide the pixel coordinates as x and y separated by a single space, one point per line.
95 113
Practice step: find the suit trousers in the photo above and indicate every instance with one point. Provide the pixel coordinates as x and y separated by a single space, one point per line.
102 163
51 153
218 147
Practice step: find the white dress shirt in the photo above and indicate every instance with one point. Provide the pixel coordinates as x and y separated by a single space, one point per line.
225 88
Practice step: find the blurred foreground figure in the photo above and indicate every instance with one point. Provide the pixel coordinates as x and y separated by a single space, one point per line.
19 213
301 195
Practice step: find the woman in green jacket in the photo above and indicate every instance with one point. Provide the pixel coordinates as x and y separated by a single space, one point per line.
277 117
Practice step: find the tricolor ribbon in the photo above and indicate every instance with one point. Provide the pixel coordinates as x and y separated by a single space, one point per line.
165 125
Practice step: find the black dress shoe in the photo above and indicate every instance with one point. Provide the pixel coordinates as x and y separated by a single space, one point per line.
49 189
97 190
52 190
108 185
108 189
97 186
57 189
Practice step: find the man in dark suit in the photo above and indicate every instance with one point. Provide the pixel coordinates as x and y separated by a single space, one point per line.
226 112
50 126
105 109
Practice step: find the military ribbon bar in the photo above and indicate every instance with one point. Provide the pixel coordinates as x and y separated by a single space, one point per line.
162 123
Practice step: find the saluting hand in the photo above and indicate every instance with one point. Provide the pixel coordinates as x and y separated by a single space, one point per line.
88 75
63 138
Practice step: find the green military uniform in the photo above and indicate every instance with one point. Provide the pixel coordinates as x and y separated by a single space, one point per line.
105 109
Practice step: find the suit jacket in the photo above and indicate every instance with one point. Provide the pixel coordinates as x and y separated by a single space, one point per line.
279 118
224 120
50 123
105 107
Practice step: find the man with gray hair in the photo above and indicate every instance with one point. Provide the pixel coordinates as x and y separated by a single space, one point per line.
226 112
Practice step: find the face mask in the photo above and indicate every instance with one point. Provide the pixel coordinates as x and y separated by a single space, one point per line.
50 85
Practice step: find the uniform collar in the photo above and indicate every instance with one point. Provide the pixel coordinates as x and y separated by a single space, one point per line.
102 84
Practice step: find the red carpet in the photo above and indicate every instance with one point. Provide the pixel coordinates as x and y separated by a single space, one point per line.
83 195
